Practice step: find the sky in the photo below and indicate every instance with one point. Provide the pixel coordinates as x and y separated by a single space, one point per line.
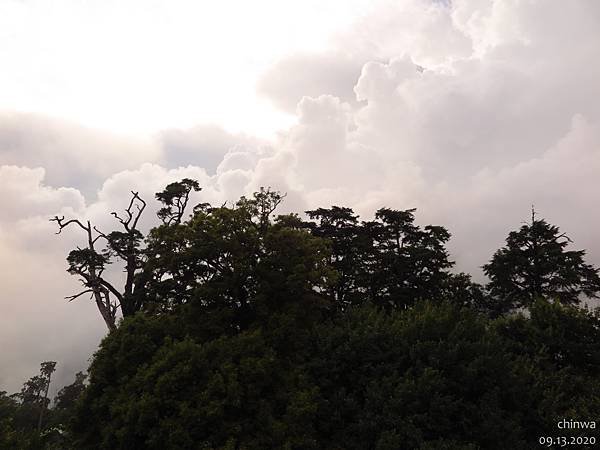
470 111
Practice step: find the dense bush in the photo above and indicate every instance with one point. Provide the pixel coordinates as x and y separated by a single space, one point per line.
434 376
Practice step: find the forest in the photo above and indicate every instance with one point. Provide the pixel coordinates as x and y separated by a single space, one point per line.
234 327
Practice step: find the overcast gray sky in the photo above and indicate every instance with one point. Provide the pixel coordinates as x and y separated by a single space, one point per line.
470 110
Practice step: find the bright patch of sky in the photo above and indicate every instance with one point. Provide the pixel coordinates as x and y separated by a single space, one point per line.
139 66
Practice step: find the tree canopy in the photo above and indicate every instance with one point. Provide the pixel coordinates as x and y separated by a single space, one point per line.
535 263
243 329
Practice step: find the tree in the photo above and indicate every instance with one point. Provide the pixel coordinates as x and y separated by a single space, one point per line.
175 198
433 376
232 294
410 262
535 263
559 350
389 261
459 289
34 394
341 227
89 263
223 260
230 392
11 436
258 332
65 398
125 245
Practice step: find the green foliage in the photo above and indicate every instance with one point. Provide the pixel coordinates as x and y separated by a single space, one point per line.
560 347
187 394
67 397
21 414
535 264
459 289
253 332
390 261
428 377
175 198
230 266
433 376
10 437
84 260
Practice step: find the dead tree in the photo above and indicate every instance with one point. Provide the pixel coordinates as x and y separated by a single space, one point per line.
89 263
125 245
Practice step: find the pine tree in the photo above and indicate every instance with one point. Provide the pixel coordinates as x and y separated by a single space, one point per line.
535 263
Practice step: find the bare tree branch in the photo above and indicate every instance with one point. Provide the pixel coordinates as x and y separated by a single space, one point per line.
100 235
130 223
73 297
62 224
111 288
139 208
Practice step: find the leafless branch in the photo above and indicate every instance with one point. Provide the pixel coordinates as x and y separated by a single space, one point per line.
73 297
100 235
62 224
131 221
563 235
139 208
111 288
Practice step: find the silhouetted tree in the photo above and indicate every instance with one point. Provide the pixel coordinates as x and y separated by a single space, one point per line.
175 198
349 247
389 261
238 342
89 263
34 395
65 398
536 264
461 290
223 260
126 245
410 263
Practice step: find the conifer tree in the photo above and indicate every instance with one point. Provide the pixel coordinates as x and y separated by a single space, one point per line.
535 263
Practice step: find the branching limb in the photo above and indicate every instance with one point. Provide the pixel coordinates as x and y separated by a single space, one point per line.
73 297
100 235
132 217
564 236
62 224
140 209
111 288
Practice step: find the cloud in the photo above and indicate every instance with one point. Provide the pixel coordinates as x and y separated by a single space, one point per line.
83 158
425 29
470 113
72 155
310 75
22 194
37 323
204 146
389 29
560 184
